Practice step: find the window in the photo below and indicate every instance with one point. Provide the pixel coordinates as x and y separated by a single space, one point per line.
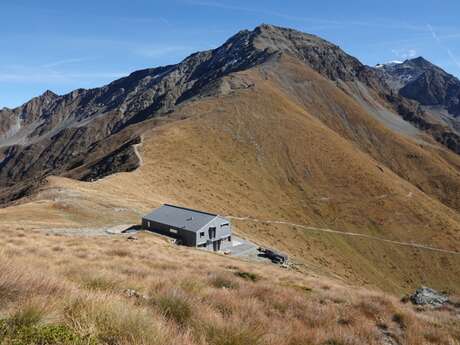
224 224
202 234
173 231
229 238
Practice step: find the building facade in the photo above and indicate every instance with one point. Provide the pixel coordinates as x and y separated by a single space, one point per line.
190 227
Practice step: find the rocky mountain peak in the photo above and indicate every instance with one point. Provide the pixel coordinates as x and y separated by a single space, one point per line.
411 69
49 94
420 62
323 56
420 80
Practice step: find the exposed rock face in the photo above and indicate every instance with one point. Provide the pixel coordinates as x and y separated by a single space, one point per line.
425 295
435 97
420 80
434 88
324 57
88 134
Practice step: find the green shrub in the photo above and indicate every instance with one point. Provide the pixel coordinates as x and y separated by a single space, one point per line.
305 289
31 334
247 276
26 317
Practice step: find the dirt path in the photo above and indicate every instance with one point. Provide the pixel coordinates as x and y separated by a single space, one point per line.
136 151
89 232
343 233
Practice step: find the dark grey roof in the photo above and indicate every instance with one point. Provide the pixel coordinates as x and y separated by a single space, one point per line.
180 217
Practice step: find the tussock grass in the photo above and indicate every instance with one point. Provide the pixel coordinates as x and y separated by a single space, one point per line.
112 321
26 316
118 252
19 282
175 306
63 297
233 335
223 281
101 281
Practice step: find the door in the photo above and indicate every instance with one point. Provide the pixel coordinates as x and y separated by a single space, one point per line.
216 245
212 232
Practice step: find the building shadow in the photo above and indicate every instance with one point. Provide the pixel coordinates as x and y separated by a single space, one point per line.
132 229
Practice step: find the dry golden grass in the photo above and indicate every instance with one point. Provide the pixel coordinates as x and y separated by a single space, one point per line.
185 296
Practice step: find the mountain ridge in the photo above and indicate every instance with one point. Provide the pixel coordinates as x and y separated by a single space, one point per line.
96 115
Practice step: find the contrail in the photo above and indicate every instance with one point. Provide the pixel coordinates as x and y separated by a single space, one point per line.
448 50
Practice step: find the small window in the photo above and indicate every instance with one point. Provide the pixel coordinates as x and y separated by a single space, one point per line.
173 231
202 234
229 238
224 224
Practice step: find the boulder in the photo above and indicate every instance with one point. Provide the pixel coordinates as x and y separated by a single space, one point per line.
427 296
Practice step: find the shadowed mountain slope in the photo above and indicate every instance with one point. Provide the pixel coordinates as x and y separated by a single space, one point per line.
420 80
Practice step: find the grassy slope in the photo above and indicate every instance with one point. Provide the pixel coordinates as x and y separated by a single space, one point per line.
65 290
318 160
417 160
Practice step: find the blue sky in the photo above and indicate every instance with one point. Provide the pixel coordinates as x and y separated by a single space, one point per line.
64 45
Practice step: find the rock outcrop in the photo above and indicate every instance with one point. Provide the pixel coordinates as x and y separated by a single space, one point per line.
427 296
420 80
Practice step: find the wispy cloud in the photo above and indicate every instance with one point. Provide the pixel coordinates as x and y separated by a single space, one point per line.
325 23
102 45
65 62
331 23
157 51
405 53
60 72
449 52
138 20
40 75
